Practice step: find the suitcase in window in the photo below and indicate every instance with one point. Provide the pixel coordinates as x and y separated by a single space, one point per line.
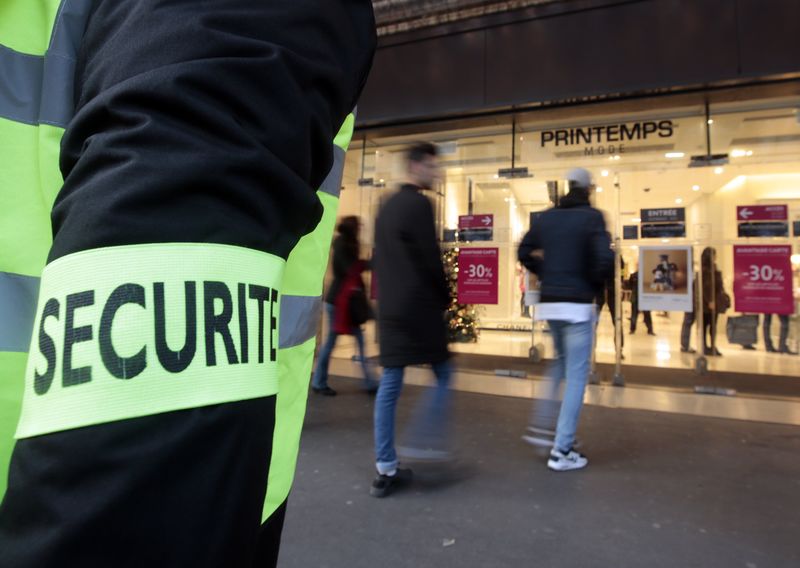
743 330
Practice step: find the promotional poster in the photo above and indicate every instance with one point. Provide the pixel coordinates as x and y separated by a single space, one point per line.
477 275
665 279
762 282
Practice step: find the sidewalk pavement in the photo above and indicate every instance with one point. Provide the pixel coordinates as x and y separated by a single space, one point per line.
661 490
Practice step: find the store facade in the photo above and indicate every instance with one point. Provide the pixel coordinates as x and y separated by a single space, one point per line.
690 123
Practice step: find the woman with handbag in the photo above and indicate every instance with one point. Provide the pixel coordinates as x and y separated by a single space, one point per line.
346 305
715 302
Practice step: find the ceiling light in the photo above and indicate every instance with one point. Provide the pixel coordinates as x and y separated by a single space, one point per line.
381 180
636 220
664 240
679 201
695 188
674 155
749 153
599 189
718 170
604 173
496 176
710 121
616 157
738 153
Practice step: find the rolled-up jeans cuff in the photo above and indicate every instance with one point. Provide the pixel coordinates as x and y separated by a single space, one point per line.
385 467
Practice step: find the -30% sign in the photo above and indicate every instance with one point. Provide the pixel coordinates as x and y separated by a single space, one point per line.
479 271
765 273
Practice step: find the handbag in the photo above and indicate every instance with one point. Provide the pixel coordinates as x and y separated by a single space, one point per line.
359 307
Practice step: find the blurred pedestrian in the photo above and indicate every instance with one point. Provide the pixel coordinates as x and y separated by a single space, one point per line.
346 291
783 345
608 296
412 298
714 301
633 284
568 248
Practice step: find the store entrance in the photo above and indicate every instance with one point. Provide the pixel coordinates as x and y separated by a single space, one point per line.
672 182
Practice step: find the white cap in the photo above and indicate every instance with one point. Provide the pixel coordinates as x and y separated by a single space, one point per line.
581 177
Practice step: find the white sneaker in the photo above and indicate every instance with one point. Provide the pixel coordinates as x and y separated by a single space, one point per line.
564 462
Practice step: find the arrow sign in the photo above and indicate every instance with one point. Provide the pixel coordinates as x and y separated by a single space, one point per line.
485 220
762 213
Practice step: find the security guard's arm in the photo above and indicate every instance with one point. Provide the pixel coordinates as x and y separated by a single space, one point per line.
201 133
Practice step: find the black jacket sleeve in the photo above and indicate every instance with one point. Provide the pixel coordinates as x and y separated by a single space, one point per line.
207 122
420 233
601 264
530 244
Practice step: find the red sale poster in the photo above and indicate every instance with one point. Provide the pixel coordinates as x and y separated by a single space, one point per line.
762 281
477 276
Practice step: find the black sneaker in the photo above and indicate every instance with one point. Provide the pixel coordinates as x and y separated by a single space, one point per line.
325 391
382 485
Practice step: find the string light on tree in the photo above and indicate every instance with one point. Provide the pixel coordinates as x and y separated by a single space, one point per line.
462 319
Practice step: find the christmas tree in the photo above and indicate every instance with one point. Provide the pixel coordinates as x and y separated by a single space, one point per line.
462 319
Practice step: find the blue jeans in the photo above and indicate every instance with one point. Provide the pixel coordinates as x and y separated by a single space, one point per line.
573 345
320 380
429 424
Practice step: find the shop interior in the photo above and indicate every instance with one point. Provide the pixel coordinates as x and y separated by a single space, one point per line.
645 153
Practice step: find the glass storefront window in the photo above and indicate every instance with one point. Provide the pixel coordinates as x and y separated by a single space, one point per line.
643 155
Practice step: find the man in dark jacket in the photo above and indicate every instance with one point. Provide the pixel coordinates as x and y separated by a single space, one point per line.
412 297
569 250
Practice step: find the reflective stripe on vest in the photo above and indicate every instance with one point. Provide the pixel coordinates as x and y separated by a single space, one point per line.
300 317
305 270
333 182
18 295
187 325
38 89
38 43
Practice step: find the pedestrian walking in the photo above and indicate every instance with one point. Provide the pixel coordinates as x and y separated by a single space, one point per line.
633 284
412 298
345 292
569 250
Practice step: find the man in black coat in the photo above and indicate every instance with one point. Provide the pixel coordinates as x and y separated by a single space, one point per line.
412 297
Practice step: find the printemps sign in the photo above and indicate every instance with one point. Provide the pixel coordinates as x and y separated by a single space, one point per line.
608 139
